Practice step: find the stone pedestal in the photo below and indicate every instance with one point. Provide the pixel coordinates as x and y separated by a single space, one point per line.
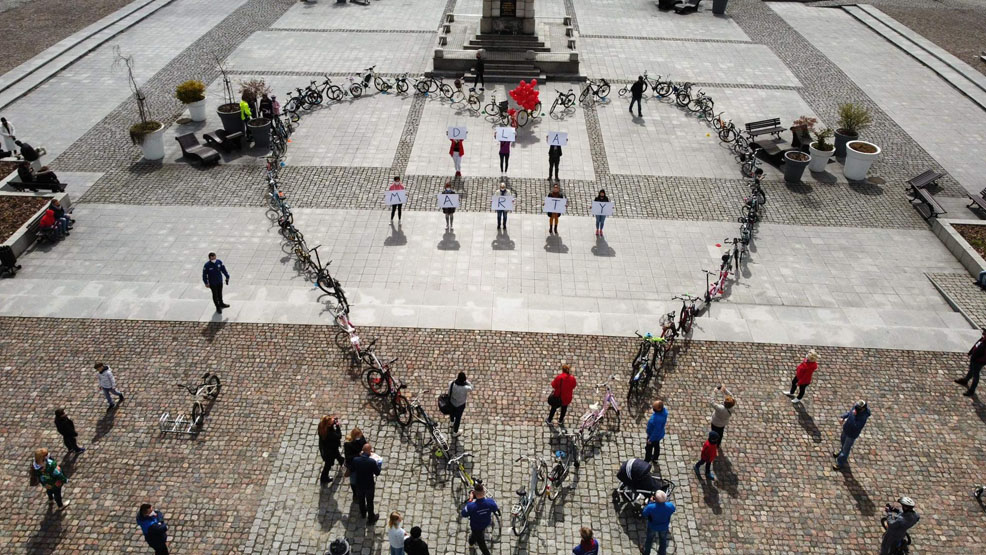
509 17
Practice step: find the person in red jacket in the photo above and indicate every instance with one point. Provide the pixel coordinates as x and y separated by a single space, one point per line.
48 221
457 151
802 376
709 452
564 386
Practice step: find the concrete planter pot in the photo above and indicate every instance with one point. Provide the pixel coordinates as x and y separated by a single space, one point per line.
819 158
229 114
719 6
795 163
8 138
196 110
858 161
260 129
153 144
841 138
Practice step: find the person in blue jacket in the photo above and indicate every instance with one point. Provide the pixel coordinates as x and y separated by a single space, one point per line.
480 511
852 425
212 276
155 530
658 515
655 431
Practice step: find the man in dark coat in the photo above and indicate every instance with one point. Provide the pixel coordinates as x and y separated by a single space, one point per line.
212 275
66 427
977 359
366 469
637 93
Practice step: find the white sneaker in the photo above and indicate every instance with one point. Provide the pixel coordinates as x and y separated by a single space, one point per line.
786 393
795 400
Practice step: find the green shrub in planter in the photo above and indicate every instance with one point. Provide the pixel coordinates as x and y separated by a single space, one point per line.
853 118
190 91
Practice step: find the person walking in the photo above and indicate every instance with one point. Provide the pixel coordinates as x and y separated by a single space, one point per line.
155 530
802 376
600 220
212 275
709 452
501 215
636 94
480 70
458 395
721 411
245 115
563 388
852 425
66 428
504 155
352 449
395 533
553 216
414 545
655 431
479 509
587 544
554 159
329 441
108 384
658 515
366 469
449 211
977 359
457 151
50 476
396 208
898 523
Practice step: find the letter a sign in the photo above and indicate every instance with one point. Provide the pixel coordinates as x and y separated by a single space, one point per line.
448 200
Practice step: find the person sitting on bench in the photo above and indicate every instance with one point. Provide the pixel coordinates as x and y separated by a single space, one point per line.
635 473
27 175
60 213
49 221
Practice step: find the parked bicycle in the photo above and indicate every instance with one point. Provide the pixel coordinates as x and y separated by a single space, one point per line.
469 96
565 100
644 362
381 382
370 75
466 481
689 309
536 486
435 434
331 286
497 110
349 340
595 89
606 410
208 390
563 461
400 83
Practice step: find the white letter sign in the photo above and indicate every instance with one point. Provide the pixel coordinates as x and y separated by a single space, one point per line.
555 205
506 134
457 133
448 200
395 197
505 202
602 208
557 138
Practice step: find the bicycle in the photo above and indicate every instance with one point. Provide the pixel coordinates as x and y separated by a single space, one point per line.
563 462
664 88
597 412
594 89
644 362
497 110
536 487
458 96
683 94
715 290
331 286
669 332
381 382
325 90
524 116
379 83
689 309
466 480
348 340
400 83
355 85
750 162
207 390
435 434
729 132
566 100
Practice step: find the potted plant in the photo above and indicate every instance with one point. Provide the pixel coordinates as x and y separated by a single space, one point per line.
795 163
251 91
852 119
147 133
229 110
191 93
821 150
860 155
801 132
719 6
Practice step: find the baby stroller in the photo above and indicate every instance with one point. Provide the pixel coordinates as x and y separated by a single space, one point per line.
637 484
339 547
8 262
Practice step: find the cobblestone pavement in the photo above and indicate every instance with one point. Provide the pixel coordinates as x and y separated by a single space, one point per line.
255 462
958 288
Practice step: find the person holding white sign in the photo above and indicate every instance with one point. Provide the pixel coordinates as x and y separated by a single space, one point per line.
396 186
449 211
600 219
503 198
456 151
553 216
504 155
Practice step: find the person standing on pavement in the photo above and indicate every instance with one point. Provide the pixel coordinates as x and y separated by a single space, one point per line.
501 215
212 275
366 469
66 428
504 155
898 523
852 425
587 544
479 509
480 70
802 376
108 384
355 441
458 395
563 387
50 476
721 412
396 208
655 431
395 533
457 151
414 545
977 359
155 530
553 216
329 441
600 220
448 211
554 159
709 452
636 94
658 515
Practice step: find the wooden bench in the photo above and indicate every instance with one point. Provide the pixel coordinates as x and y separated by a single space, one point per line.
191 149
918 191
16 183
224 140
979 201
765 127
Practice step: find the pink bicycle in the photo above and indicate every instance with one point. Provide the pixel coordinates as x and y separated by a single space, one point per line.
714 290
590 422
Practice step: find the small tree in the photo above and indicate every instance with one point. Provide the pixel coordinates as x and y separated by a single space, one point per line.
229 101
190 91
821 139
146 126
853 118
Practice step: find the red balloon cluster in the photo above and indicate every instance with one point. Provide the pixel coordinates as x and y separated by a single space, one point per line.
526 95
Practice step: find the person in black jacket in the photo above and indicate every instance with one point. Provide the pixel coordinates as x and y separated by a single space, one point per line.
415 545
212 275
352 448
637 93
366 469
554 158
329 441
66 427
480 69
977 359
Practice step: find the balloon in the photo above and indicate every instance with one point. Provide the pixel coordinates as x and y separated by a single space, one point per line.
534 82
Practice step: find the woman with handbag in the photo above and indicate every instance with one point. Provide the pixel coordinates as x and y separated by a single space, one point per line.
50 476
458 392
564 386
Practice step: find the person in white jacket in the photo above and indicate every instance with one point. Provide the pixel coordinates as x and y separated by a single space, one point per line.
108 384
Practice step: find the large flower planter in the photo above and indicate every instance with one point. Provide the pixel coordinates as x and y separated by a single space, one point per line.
819 158
840 142
260 129
795 163
196 110
719 6
858 162
229 114
153 145
8 138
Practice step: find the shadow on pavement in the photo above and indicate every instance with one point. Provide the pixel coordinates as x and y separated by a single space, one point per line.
448 242
725 475
710 495
808 423
49 534
554 244
864 504
104 424
503 242
397 237
212 329
602 248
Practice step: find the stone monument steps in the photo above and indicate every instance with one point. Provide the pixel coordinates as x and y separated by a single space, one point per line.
507 43
500 70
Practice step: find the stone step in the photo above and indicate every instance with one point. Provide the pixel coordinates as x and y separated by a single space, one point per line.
490 36
510 77
505 48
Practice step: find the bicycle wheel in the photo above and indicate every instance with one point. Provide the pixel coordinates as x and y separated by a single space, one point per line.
553 106
401 86
683 98
356 90
685 322
340 296
292 106
441 443
402 407
495 528
342 341
491 109
376 382
335 92
727 134
198 414
536 112
663 89
421 87
568 100
518 517
585 94
522 118
603 91
213 381
446 90
623 92
542 479
760 195
474 103
612 419
325 282
555 477
313 97
457 96
381 84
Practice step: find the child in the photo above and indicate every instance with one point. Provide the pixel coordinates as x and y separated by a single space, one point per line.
396 534
709 452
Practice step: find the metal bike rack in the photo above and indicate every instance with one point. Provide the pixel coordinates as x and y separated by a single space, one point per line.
180 425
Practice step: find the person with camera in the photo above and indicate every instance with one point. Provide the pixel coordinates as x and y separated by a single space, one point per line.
898 522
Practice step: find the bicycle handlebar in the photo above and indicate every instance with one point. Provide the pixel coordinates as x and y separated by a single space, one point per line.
459 457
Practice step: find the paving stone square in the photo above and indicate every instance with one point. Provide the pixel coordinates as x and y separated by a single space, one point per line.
395 15
642 18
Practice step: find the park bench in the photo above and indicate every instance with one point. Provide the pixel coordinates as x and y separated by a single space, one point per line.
979 201
191 149
765 127
686 6
33 186
222 139
918 191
